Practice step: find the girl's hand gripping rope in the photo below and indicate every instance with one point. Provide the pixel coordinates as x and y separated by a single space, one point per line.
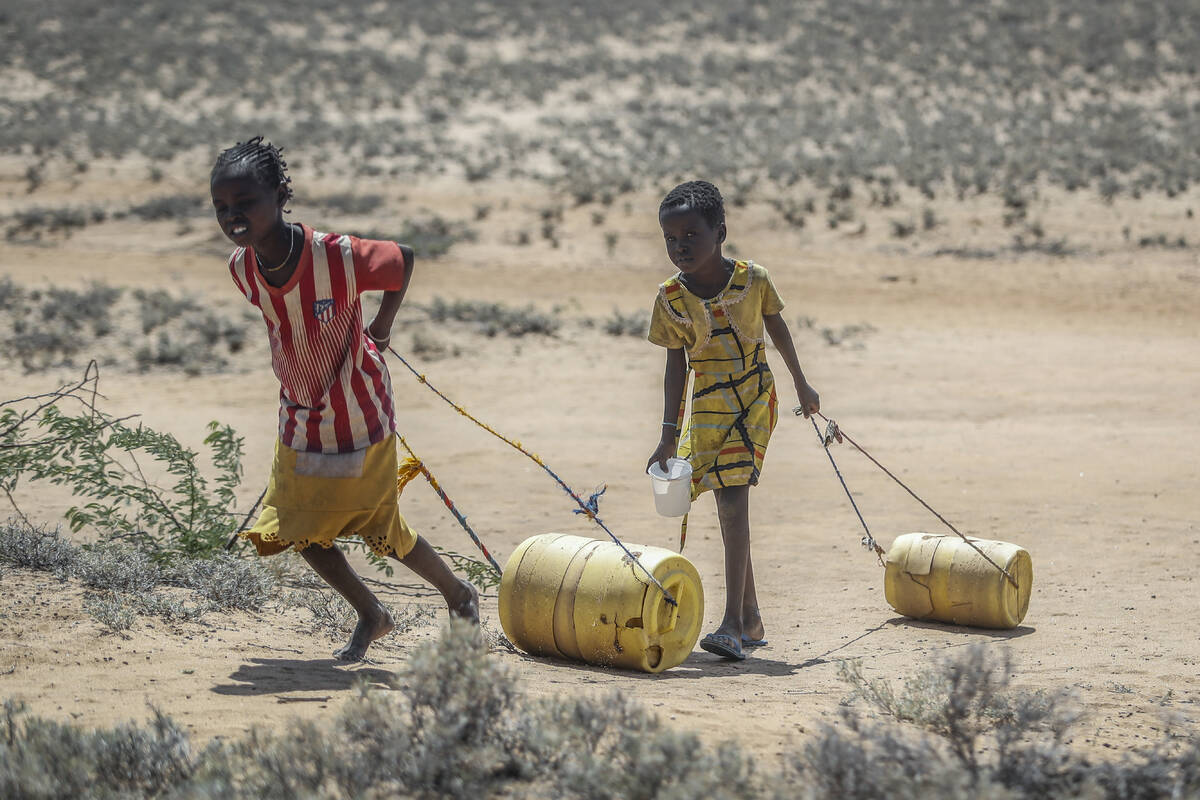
810 401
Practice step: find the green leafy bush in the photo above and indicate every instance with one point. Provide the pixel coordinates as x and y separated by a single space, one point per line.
476 570
100 459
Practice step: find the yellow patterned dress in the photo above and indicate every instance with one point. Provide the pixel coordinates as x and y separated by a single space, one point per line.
734 408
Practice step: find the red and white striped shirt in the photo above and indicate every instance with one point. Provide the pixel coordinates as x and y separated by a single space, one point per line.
335 393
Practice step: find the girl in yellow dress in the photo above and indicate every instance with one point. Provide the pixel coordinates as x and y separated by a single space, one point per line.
710 317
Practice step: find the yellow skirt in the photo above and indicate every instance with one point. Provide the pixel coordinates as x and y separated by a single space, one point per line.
314 498
733 415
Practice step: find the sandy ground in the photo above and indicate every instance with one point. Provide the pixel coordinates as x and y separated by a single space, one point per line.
1044 401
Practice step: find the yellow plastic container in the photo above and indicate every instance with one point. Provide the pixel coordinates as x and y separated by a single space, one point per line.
583 599
940 576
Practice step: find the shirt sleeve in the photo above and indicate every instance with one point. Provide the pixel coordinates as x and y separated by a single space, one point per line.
664 331
378 265
772 303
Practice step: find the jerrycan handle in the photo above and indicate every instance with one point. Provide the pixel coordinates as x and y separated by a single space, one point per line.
666 614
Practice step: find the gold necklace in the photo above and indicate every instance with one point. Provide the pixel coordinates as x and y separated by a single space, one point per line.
282 264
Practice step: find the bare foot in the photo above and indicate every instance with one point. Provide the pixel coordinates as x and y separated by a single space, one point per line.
368 629
467 604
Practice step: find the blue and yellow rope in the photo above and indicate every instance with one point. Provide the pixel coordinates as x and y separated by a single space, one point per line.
588 508
409 468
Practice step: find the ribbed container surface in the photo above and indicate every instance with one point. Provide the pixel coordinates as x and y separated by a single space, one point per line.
585 600
939 576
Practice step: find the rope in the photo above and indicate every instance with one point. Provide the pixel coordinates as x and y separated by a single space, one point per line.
868 541
245 520
588 508
409 468
832 431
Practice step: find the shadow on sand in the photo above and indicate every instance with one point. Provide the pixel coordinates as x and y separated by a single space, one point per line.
261 676
700 664
962 630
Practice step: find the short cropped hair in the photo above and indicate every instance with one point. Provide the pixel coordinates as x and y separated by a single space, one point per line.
699 196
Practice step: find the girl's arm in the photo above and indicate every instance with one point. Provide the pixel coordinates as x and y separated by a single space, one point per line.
674 378
781 337
390 304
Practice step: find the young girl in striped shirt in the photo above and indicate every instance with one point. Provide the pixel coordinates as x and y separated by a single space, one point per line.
334 471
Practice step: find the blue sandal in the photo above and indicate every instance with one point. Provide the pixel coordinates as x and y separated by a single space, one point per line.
724 645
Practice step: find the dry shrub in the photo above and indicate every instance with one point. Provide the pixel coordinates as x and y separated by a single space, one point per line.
26 546
456 725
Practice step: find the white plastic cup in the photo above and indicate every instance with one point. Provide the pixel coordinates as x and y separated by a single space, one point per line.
673 488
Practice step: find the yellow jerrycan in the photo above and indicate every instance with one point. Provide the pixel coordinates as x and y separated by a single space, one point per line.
583 599
939 576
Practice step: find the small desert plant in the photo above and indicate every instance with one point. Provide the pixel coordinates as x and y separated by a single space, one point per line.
42 758
23 545
429 236
158 307
847 336
332 615
351 203
636 323
124 578
52 326
178 206
432 348
113 611
32 223
477 571
172 609
117 567
493 318
975 736
1164 241
191 341
225 582
100 458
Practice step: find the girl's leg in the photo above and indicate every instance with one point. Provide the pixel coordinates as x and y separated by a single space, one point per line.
733 510
752 626
460 595
374 620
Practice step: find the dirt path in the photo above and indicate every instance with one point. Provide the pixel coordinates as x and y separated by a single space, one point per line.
1049 402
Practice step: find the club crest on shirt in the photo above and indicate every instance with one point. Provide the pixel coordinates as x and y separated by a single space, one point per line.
323 310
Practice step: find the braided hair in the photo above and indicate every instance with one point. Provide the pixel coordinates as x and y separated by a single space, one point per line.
261 159
699 196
